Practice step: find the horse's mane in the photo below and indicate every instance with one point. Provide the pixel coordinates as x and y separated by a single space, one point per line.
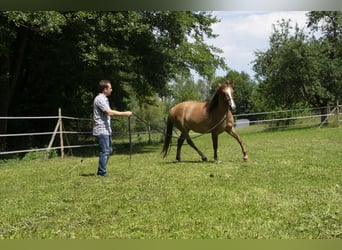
212 104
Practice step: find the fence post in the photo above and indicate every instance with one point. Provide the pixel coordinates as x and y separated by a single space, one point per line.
325 122
59 126
61 131
338 113
149 133
48 151
164 131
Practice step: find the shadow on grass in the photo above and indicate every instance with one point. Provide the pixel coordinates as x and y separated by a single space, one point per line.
88 175
186 162
137 148
121 149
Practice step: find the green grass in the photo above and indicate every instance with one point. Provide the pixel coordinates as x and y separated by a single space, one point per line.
290 189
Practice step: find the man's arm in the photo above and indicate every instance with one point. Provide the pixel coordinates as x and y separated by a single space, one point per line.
112 112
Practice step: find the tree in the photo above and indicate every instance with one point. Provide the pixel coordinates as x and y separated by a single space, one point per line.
184 89
329 24
148 49
16 29
55 59
297 69
278 69
204 87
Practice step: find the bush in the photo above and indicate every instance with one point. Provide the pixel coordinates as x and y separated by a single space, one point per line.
34 155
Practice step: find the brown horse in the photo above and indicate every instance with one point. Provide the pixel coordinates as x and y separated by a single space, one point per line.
212 117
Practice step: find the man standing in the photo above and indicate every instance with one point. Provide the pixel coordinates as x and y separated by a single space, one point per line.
102 130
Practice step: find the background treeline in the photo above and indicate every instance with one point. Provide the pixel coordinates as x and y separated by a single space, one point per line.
51 59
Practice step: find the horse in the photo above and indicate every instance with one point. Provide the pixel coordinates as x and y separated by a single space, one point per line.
212 117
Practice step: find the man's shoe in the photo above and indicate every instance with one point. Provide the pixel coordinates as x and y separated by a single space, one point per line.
103 175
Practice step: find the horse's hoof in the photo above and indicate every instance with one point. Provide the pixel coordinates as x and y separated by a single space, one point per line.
204 159
245 158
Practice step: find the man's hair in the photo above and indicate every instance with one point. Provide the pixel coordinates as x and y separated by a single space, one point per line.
103 84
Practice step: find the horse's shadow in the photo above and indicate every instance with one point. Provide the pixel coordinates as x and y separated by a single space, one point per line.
187 161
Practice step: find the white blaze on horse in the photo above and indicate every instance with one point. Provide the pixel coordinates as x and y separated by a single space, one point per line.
212 117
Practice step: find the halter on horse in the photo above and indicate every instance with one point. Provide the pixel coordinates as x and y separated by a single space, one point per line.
212 117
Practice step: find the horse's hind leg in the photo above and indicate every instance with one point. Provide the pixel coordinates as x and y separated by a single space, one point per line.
189 141
179 147
233 133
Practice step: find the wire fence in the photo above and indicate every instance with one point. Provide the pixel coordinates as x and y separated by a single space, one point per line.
79 133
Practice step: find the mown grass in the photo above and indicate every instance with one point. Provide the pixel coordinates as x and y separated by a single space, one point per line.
290 189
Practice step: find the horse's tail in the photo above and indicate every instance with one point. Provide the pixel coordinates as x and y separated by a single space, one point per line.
168 137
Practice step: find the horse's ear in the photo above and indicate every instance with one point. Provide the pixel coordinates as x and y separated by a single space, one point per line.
229 82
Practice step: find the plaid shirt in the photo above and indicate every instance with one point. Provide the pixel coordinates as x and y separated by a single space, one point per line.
101 119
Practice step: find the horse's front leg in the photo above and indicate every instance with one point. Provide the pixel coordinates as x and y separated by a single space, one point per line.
214 139
233 133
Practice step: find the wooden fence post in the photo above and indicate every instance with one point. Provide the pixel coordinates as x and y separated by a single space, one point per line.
149 133
48 150
326 119
338 113
61 142
59 126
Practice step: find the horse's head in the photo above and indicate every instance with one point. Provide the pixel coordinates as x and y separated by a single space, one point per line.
228 91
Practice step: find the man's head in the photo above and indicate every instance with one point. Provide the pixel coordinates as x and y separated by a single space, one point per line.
105 87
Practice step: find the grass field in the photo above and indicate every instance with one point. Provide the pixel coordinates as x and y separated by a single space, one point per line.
290 189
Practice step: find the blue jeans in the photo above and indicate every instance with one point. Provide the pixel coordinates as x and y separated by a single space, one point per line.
105 144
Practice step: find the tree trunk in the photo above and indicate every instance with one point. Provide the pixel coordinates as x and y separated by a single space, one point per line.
10 72
4 103
324 116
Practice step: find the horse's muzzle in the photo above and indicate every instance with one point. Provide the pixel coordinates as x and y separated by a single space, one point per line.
232 105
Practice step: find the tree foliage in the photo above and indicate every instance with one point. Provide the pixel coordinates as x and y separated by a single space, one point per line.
54 59
299 68
329 24
183 89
